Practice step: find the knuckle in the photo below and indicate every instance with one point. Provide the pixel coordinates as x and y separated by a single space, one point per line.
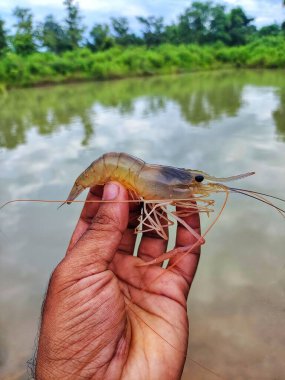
105 223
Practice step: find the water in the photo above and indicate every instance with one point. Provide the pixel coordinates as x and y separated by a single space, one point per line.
223 123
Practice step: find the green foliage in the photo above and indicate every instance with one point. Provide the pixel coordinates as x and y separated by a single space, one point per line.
3 37
193 22
205 36
239 27
270 30
172 34
119 62
219 25
52 36
203 23
122 33
153 30
74 28
100 38
23 41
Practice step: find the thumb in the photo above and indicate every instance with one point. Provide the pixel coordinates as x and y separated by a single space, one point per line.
100 242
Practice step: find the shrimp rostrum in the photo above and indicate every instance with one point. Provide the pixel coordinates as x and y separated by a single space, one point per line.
160 186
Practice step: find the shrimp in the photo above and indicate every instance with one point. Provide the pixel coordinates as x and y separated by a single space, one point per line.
159 186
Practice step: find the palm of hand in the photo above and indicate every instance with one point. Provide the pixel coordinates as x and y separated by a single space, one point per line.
108 318
155 318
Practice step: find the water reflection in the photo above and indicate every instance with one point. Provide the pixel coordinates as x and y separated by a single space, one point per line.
201 98
46 109
279 116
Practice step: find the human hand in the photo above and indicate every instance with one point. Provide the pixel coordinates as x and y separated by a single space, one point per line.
105 317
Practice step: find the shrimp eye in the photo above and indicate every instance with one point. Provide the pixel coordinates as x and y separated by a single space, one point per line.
199 178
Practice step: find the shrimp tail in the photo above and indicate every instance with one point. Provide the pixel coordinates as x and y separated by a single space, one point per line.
222 179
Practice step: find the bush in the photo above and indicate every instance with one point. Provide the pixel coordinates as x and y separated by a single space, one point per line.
119 62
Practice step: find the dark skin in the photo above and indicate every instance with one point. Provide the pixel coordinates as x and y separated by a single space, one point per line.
105 317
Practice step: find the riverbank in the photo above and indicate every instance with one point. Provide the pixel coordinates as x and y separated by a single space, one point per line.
117 62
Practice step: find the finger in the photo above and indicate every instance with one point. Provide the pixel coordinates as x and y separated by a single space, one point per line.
97 246
152 245
128 241
186 264
89 211
87 214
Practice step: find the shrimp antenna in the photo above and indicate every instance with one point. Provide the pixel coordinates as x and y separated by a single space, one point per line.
257 192
229 179
259 198
40 201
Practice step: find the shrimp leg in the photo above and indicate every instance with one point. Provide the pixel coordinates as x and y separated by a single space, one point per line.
153 218
188 248
176 251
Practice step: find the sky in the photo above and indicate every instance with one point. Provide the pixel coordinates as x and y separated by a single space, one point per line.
97 11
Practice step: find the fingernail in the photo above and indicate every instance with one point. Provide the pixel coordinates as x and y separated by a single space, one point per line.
111 191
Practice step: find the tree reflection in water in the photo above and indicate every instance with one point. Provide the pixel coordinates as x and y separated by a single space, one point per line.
279 116
201 98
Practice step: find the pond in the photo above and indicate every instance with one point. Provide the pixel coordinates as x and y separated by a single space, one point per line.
224 123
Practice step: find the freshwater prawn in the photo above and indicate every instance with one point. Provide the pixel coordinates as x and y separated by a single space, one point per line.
157 187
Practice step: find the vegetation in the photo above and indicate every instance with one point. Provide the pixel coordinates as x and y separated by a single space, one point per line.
119 62
205 36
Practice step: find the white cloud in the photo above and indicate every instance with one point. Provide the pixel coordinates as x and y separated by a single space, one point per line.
264 11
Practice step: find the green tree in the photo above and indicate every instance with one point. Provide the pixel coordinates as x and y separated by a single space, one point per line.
239 27
122 33
121 27
270 30
3 37
73 21
101 38
193 23
52 35
23 41
172 34
283 26
153 30
218 29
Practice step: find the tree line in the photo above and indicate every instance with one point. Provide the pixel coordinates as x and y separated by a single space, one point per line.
201 23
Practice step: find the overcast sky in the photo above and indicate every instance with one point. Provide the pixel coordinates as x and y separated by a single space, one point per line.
96 11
